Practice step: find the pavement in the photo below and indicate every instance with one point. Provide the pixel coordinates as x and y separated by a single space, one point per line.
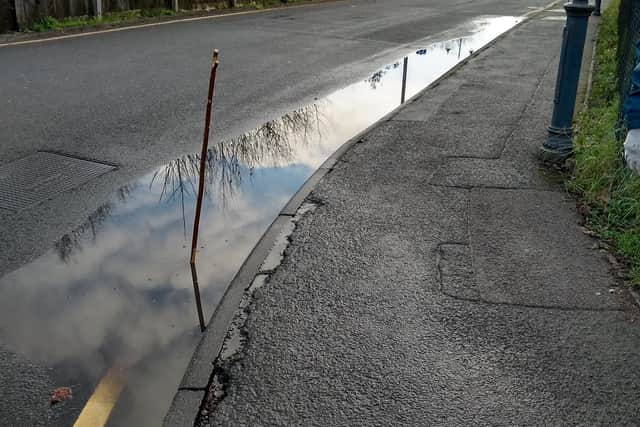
434 275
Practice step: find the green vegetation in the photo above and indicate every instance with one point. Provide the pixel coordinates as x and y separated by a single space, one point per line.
262 4
609 191
49 23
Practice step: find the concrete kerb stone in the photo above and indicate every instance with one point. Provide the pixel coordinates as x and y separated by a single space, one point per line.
199 369
198 373
184 408
294 203
235 340
588 62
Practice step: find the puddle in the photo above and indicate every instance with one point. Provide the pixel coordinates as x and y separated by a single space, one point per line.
118 291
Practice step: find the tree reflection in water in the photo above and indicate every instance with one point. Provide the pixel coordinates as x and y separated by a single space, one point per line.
72 242
447 45
376 78
273 144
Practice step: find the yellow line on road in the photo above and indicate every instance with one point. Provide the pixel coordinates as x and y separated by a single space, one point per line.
99 406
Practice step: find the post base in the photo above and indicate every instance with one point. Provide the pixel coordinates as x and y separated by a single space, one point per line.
556 149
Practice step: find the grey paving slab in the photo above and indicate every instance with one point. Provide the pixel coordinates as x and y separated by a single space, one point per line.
455 271
434 213
526 247
488 101
419 159
496 173
460 136
508 63
423 107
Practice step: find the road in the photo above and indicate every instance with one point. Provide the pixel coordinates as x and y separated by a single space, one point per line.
134 98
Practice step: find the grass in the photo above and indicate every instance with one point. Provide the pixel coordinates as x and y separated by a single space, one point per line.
50 23
609 191
265 4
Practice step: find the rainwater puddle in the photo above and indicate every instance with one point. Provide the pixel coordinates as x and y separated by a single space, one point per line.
118 292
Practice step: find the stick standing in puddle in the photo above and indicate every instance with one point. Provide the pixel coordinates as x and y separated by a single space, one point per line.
203 159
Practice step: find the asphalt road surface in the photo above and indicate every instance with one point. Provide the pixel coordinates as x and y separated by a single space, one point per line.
135 99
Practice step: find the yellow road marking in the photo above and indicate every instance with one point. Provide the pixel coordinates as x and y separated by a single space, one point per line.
99 406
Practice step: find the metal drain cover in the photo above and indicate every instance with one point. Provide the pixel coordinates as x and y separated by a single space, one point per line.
33 179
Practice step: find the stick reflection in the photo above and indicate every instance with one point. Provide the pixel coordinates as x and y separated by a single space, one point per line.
196 291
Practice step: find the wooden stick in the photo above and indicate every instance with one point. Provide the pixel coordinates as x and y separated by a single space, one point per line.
203 156
201 183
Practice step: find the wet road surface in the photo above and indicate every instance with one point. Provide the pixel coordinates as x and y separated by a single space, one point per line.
114 298
135 98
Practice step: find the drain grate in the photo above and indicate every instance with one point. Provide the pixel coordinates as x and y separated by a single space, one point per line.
38 177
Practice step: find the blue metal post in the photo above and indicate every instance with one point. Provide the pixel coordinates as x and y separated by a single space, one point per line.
597 11
558 145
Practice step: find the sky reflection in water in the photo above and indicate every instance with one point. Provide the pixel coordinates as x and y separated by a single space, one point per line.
118 290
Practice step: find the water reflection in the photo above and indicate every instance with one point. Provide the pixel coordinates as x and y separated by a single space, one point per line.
270 145
119 291
72 242
403 91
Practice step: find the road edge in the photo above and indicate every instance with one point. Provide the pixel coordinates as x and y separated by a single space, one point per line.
26 38
188 399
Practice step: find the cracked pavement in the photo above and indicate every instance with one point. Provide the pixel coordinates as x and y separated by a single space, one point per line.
443 278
